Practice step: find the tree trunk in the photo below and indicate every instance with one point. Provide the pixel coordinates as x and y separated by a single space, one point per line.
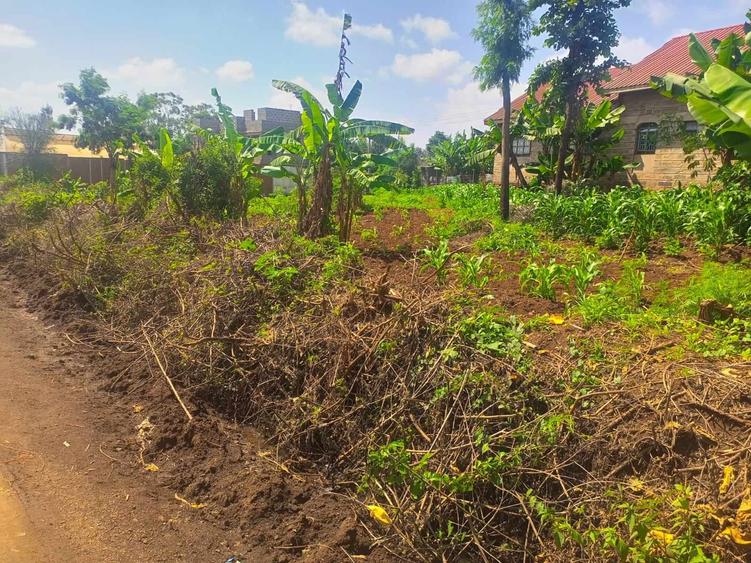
565 139
317 221
506 149
112 180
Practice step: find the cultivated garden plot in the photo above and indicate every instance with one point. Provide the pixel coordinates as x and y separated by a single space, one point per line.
573 383
367 363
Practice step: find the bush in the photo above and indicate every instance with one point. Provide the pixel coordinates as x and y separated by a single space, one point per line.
149 179
208 182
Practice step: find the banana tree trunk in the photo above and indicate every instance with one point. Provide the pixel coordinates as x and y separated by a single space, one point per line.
317 221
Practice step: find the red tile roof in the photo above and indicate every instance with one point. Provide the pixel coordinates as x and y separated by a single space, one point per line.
671 57
516 104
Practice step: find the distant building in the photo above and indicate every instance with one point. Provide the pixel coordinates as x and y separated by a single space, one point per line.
661 163
257 122
61 155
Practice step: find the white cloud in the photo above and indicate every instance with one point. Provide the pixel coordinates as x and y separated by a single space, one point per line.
154 74
30 96
462 108
441 64
633 49
237 71
321 29
658 11
434 29
285 100
12 36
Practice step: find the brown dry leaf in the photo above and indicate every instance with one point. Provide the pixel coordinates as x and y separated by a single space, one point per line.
728 474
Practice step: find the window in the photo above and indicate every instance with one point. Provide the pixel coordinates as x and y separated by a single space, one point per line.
521 146
691 127
646 138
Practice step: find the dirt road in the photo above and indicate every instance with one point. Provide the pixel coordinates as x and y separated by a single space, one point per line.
69 489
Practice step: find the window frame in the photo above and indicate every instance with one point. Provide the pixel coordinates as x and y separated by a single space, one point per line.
646 128
526 143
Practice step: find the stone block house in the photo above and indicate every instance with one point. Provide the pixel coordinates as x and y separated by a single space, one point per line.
660 163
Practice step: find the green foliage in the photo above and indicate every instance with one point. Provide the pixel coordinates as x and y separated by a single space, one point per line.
34 200
438 258
205 183
472 270
583 273
274 267
654 528
721 97
541 279
510 237
494 334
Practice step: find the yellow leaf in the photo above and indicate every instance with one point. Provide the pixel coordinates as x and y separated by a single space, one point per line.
379 514
556 319
729 372
744 510
672 425
636 485
151 467
137 408
728 474
736 535
665 538
190 504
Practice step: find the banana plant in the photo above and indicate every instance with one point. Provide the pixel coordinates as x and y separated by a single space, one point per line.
326 136
720 99
248 152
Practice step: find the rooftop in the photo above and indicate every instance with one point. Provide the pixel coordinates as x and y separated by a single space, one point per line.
671 57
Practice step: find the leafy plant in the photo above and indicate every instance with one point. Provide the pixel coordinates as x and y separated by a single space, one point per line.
540 279
438 258
583 274
471 270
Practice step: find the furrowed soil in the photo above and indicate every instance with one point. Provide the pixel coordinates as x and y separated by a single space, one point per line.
84 478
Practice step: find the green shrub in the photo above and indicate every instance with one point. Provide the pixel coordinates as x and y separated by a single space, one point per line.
207 182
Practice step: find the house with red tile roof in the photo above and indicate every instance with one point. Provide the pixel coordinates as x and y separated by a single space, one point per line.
660 163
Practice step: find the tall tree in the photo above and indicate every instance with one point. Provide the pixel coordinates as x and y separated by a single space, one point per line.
106 123
587 31
503 29
34 131
436 139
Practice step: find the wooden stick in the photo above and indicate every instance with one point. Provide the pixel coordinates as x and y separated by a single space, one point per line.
164 372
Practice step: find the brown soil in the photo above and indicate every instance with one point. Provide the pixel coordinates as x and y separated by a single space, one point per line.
73 479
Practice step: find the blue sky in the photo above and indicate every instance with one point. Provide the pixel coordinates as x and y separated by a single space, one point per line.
414 57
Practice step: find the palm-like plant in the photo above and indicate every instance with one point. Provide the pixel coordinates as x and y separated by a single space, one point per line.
721 98
327 136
